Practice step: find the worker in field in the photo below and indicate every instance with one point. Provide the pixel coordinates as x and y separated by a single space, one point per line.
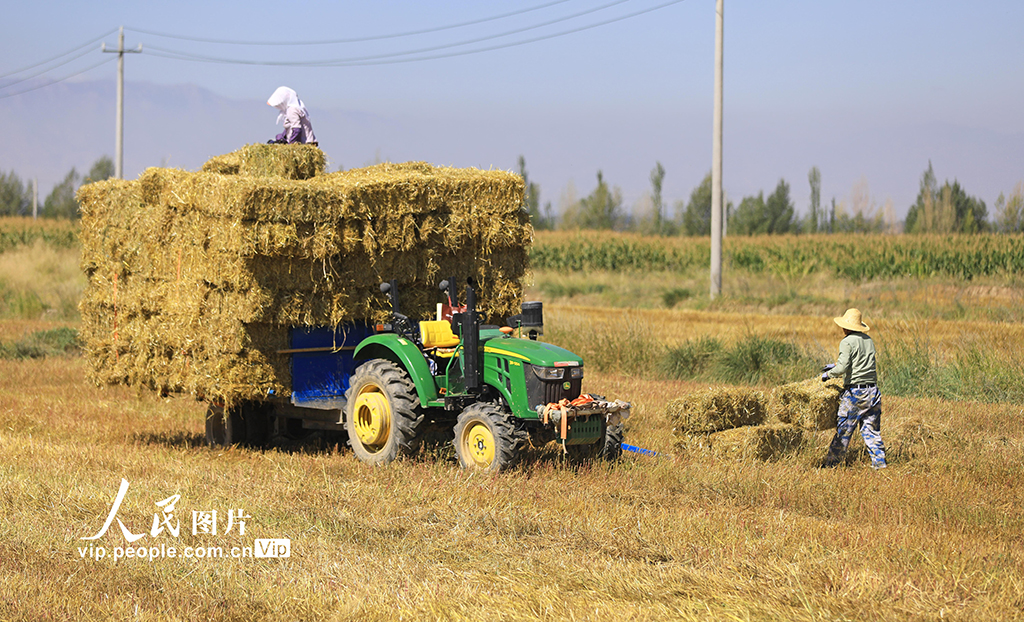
860 402
297 128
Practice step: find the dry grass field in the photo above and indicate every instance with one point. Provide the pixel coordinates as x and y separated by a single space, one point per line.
937 535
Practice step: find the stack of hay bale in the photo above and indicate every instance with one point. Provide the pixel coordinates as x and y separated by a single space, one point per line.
196 277
742 423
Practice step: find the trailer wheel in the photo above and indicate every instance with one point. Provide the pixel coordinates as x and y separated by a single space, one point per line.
215 430
382 414
247 423
257 423
234 427
486 438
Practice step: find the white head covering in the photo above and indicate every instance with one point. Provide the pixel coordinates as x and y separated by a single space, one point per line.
285 98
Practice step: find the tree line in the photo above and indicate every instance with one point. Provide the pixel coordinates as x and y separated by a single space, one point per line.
945 208
938 209
16 194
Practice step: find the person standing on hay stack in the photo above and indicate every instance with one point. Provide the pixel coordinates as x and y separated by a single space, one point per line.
861 401
297 128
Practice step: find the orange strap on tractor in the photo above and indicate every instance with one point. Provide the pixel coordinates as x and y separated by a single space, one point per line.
565 405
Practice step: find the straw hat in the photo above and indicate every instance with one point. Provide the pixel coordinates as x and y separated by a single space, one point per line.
851 320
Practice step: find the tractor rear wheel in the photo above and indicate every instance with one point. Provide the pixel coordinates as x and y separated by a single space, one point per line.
382 413
486 438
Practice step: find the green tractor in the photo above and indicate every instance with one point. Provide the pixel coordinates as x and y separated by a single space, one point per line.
490 389
493 388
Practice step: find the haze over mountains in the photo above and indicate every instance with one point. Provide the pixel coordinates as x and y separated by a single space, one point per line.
43 133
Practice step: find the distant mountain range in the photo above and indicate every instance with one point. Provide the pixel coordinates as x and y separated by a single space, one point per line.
43 133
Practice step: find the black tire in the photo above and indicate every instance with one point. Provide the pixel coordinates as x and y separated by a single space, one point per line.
247 424
215 430
612 449
486 438
257 423
382 412
234 427
608 447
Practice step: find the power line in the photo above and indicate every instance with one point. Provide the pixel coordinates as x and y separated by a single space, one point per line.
90 68
396 35
377 60
74 49
356 59
41 72
517 43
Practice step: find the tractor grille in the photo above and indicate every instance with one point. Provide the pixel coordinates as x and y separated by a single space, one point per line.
544 391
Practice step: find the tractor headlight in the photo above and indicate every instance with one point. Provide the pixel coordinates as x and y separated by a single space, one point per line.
575 372
547 373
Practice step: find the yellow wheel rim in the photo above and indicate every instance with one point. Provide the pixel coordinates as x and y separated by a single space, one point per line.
372 418
478 443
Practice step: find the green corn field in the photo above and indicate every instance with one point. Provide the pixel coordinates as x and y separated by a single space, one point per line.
854 256
56 233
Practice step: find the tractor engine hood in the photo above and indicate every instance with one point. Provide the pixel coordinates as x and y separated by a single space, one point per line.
533 352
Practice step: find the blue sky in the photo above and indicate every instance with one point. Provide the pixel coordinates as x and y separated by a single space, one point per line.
868 91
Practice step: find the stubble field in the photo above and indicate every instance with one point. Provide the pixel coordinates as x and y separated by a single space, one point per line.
676 536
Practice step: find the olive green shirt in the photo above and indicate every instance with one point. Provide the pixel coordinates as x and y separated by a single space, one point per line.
856 362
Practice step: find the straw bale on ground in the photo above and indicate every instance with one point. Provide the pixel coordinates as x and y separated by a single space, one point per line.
716 408
810 404
195 277
756 442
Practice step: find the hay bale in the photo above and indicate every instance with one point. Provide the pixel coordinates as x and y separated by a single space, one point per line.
195 277
810 404
263 160
716 408
759 442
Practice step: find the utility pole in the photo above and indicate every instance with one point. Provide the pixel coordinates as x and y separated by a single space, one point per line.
119 129
716 160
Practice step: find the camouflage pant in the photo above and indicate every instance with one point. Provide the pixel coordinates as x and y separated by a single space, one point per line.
864 407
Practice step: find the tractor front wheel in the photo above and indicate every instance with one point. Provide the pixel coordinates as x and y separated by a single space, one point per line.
608 447
486 438
382 414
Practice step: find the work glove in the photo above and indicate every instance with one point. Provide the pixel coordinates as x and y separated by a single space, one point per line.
828 367
824 377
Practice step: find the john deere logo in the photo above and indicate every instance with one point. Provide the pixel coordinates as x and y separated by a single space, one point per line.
566 386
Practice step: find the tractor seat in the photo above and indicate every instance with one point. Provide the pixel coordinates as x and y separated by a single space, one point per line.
437 334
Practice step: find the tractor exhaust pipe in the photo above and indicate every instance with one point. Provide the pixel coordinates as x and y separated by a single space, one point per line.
471 340
531 321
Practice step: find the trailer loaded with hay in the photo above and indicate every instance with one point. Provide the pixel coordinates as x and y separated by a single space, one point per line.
289 298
